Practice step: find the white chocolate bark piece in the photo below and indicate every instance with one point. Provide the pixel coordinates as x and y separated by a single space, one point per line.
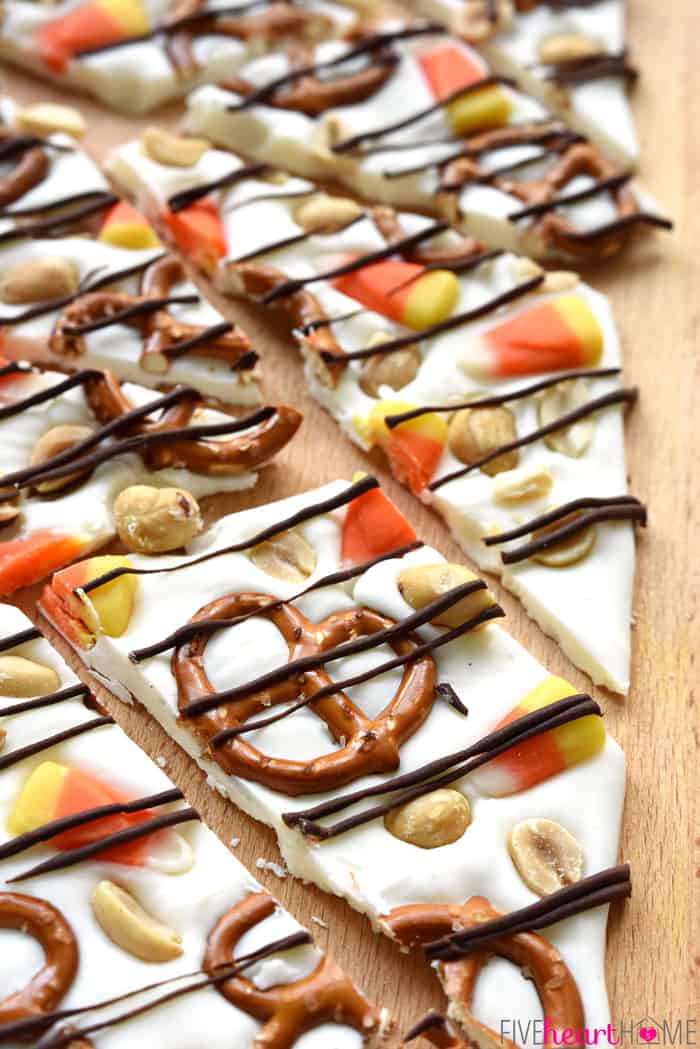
443 368
372 868
44 529
432 128
573 58
184 881
155 52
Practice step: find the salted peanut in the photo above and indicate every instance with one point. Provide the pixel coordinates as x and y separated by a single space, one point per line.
324 214
25 678
567 47
56 440
558 400
421 584
328 132
395 369
566 551
480 19
9 512
173 151
518 486
476 432
545 855
124 920
435 819
46 118
560 280
526 269
156 520
288 556
38 280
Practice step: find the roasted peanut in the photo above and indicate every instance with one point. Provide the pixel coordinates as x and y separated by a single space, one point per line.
395 369
517 486
288 556
433 820
25 678
46 118
561 280
567 47
156 520
575 440
324 214
123 919
421 584
9 512
38 280
476 432
566 551
56 440
545 855
526 269
172 151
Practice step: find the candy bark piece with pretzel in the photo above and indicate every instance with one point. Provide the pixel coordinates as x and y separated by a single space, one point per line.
97 910
532 349
134 55
69 446
442 132
308 701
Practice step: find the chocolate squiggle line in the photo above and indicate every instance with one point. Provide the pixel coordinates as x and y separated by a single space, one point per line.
94 195
430 1021
447 692
643 218
179 349
137 309
68 218
594 67
70 692
20 143
600 185
20 638
15 368
15 756
185 197
42 396
297 238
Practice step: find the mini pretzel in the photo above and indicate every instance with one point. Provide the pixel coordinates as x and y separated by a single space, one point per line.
422 923
158 329
29 170
287 1011
371 745
220 456
49 928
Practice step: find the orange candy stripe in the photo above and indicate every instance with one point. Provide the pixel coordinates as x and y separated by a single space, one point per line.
199 233
27 560
375 286
413 457
80 792
85 27
538 340
448 67
372 527
534 760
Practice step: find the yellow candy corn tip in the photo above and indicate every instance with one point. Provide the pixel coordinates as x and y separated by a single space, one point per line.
110 606
131 235
431 299
580 318
36 802
430 425
130 15
487 108
577 740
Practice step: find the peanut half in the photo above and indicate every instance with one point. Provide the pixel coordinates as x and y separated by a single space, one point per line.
395 369
23 678
574 441
421 584
518 486
433 820
56 440
156 520
476 432
566 551
546 856
38 280
288 556
46 118
324 214
567 47
172 151
122 918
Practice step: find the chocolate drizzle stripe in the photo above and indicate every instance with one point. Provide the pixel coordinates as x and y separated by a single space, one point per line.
625 395
42 396
20 638
594 67
600 185
15 756
185 197
429 1022
71 857
314 510
646 218
68 218
70 692
21 143
211 626
137 309
78 819
296 238
449 324
585 503
179 349
88 195
485 616
465 264
397 632
15 368
447 692
30 473
34 1025
327 322
597 889
271 195
496 399
289 287
617 512
441 772
349 143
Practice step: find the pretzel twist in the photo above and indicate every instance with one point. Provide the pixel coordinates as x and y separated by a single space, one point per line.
367 745
287 1011
29 170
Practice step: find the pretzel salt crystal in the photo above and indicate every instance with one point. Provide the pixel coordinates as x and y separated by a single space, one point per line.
368 745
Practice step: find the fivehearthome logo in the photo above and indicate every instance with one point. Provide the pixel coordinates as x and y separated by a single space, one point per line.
648 1030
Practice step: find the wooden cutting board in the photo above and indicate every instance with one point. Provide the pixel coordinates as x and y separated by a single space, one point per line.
654 949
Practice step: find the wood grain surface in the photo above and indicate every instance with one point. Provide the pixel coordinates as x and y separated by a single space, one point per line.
654 950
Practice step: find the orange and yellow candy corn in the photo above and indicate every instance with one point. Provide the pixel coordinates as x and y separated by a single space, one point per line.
125 227
372 526
449 67
105 610
90 25
544 755
403 291
199 233
27 560
413 448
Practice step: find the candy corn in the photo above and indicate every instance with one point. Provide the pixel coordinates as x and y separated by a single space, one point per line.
563 333
403 291
449 67
199 233
414 448
372 526
26 560
544 755
125 227
105 610
90 25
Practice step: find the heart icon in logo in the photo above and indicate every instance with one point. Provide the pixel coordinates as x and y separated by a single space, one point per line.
647 1034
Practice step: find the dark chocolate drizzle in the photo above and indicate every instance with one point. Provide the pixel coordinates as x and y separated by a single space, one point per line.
296 238
211 626
438 773
88 195
71 857
137 309
624 395
429 1022
603 887
15 756
616 508
485 616
42 396
15 368
397 632
324 506
600 185
327 322
70 692
594 67
179 349
271 195
637 218
22 842
20 638
185 197
18 144
447 692
59 222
